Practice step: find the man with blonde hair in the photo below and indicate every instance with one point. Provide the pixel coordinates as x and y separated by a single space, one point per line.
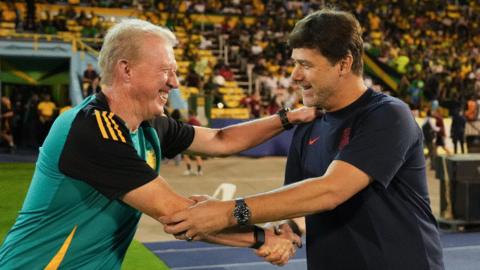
98 168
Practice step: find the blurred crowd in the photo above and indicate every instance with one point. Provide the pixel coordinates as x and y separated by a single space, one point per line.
27 116
433 46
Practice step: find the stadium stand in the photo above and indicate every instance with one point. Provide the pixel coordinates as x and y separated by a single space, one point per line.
423 52
233 59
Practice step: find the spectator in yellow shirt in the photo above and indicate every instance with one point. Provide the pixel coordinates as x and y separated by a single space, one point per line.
68 106
6 123
46 111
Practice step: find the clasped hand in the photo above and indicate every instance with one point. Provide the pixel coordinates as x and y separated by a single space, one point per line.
280 246
209 216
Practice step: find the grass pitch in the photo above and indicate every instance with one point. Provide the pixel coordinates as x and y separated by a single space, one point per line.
14 182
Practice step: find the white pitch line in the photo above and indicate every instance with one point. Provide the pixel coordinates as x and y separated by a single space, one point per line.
171 250
462 248
230 265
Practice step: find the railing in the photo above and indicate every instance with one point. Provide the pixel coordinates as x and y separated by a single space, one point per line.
77 43
225 54
221 44
85 47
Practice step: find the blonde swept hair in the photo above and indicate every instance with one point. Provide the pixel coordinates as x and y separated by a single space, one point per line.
123 41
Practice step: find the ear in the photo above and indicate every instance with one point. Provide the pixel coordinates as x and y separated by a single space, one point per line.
345 65
123 70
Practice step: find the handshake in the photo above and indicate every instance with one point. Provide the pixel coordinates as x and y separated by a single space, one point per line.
212 221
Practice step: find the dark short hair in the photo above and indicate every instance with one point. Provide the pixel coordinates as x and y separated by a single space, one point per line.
333 33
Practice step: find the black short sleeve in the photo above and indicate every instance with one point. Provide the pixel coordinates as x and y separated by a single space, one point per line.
381 141
175 136
293 171
294 167
99 151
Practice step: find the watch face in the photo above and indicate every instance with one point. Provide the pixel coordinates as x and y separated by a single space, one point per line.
241 213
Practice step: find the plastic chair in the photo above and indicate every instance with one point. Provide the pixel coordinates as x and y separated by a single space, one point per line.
227 191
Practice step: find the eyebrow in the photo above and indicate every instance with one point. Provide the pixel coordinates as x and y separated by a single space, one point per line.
169 67
303 62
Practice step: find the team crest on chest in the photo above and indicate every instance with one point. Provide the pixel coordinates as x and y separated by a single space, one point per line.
345 138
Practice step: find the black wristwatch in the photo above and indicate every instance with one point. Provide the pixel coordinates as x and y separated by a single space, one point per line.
241 212
259 236
283 117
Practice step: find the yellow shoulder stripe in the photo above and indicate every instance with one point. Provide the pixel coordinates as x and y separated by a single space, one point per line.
110 116
58 258
109 126
100 124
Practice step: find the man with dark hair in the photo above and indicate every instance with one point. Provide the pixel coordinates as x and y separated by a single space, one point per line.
457 130
89 74
357 172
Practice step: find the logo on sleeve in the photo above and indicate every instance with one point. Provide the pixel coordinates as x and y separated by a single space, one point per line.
345 139
108 127
313 141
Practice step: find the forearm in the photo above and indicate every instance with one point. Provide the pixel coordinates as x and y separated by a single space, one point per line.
296 200
235 237
246 135
236 138
156 199
340 182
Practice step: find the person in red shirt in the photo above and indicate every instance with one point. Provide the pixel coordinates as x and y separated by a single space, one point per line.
252 102
226 72
440 134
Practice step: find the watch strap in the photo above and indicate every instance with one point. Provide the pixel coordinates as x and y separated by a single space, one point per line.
282 113
259 236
